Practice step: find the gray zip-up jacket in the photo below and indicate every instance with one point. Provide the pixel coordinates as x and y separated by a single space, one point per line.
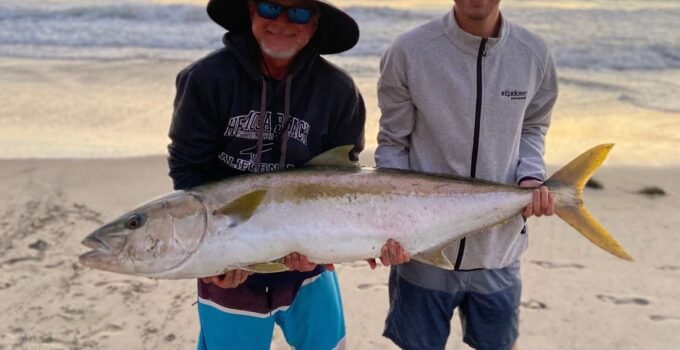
459 104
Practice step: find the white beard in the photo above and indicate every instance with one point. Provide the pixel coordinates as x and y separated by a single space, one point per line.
278 54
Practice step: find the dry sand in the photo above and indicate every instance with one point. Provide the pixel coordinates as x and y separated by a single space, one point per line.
575 295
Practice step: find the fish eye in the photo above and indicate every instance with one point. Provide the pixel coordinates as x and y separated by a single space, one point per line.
134 222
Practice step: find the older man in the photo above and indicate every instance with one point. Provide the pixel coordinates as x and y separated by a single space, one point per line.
267 101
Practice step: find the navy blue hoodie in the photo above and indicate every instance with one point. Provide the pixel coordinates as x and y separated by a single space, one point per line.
214 132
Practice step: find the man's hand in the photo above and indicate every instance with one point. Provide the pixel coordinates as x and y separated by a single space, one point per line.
231 279
543 202
391 254
299 262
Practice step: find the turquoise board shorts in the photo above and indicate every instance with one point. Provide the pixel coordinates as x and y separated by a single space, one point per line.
313 321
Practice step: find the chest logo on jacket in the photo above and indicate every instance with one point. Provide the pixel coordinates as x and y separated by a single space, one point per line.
514 94
245 127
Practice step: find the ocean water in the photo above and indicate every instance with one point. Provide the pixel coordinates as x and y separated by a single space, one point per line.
628 48
610 36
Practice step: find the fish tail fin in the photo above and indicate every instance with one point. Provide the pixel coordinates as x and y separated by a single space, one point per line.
571 180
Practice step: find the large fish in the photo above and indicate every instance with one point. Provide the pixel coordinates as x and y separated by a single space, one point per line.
331 211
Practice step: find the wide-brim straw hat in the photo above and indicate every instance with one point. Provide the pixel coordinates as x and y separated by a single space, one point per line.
337 31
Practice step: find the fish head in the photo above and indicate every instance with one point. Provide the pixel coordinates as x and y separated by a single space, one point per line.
150 240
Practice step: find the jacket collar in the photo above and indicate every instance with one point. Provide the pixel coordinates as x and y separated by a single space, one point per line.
469 43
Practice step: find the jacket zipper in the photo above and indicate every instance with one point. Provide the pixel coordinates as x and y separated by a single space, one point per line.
475 146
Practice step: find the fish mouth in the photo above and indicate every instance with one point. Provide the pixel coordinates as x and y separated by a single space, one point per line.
101 251
92 255
106 240
97 244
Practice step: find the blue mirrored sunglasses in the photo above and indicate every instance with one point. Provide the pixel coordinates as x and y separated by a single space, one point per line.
297 15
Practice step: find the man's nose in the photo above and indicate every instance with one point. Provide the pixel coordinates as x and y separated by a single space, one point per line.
282 18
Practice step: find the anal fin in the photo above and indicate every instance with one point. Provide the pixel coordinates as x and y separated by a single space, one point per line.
435 257
267 267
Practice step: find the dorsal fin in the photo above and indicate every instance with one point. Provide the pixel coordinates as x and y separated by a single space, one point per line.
338 156
242 208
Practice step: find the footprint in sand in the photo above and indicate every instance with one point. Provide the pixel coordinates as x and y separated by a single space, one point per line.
107 331
623 301
39 245
669 268
355 264
5 285
84 212
72 311
128 288
372 286
552 265
150 331
661 318
56 264
14 261
533 305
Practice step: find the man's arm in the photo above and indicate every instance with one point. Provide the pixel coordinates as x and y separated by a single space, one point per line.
398 111
194 135
396 125
349 129
194 132
531 168
535 127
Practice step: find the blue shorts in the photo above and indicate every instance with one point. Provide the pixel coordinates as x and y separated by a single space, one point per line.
423 299
314 320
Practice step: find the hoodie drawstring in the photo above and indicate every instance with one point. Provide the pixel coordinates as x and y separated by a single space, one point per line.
284 124
260 126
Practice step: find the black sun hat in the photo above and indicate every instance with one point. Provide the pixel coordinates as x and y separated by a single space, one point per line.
337 31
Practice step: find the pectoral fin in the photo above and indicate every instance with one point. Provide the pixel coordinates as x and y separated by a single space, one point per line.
242 208
435 257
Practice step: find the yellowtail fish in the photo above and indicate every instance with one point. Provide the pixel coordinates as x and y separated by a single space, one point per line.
332 211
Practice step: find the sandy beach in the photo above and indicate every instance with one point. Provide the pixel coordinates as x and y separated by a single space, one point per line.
82 138
575 296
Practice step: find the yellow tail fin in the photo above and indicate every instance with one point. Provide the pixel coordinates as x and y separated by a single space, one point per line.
570 180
